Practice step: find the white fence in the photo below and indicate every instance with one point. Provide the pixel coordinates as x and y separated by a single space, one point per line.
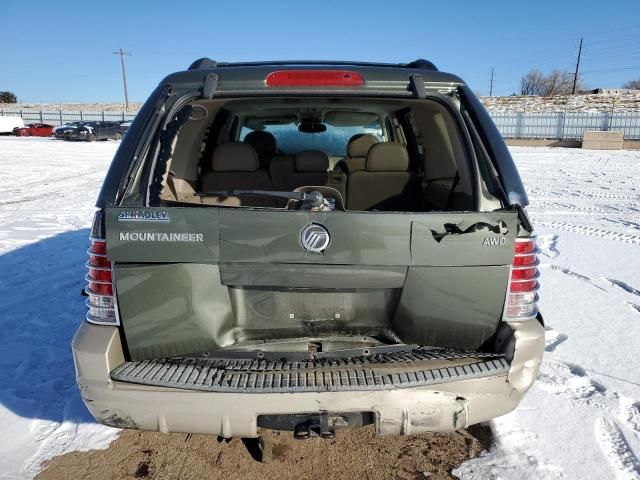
555 125
60 117
566 126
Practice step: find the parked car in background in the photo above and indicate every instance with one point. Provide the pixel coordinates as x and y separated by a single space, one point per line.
8 124
34 130
124 126
92 131
59 132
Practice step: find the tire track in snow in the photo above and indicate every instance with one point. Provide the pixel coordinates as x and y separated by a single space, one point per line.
630 414
622 285
626 288
571 381
548 207
617 450
576 275
553 339
625 223
591 231
605 194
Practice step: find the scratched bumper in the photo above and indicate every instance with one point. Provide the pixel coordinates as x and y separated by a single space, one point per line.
445 406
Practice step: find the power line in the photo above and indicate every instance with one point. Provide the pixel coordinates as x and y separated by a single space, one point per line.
612 70
122 53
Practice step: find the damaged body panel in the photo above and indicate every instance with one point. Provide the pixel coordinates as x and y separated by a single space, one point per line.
243 276
309 246
449 405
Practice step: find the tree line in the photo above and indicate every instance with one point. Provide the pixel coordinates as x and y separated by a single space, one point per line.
8 97
558 82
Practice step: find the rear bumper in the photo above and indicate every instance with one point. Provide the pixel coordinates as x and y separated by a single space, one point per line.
446 406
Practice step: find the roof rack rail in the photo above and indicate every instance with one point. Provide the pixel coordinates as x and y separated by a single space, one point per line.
203 63
422 64
419 64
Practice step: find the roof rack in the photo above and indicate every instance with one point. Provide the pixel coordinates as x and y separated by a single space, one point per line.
206 63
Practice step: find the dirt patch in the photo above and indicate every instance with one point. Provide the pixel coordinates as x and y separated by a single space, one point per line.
353 454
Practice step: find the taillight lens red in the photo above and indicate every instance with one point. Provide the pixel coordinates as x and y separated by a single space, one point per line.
521 302
524 273
525 246
524 260
99 289
314 78
523 286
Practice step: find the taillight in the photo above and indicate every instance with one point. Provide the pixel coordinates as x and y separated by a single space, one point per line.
522 297
314 78
100 298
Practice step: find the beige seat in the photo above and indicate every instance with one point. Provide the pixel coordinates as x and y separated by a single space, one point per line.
307 168
265 146
385 183
357 150
235 166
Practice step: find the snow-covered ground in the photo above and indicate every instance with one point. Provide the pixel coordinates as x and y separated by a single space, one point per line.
47 191
580 420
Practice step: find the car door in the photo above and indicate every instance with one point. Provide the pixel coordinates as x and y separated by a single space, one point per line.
99 130
113 129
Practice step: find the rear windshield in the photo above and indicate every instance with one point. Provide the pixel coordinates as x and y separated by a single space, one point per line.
377 155
333 141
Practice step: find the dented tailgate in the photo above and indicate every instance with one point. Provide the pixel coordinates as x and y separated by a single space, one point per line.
197 279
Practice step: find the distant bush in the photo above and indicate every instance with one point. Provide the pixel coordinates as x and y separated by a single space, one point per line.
8 97
558 82
632 85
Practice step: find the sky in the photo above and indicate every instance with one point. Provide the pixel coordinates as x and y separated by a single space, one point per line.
53 51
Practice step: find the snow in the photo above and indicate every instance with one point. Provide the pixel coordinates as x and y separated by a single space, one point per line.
47 192
580 420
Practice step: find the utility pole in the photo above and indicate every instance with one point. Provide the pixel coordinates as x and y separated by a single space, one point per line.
122 53
491 84
575 76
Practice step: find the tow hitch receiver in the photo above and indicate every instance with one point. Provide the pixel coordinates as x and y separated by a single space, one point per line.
317 426
322 424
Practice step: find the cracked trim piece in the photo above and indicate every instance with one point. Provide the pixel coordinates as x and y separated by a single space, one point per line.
376 372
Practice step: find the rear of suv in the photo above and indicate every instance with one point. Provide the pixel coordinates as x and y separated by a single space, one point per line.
306 246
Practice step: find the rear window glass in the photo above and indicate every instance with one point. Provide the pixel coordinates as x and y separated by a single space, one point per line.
333 141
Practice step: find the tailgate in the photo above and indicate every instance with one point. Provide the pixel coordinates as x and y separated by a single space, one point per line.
201 279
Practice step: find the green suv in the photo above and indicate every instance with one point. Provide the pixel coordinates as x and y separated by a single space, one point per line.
305 246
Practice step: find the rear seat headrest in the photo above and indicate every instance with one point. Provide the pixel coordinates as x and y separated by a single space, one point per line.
387 157
311 161
360 144
263 143
234 157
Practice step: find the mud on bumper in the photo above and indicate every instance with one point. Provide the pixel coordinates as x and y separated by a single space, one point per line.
406 391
